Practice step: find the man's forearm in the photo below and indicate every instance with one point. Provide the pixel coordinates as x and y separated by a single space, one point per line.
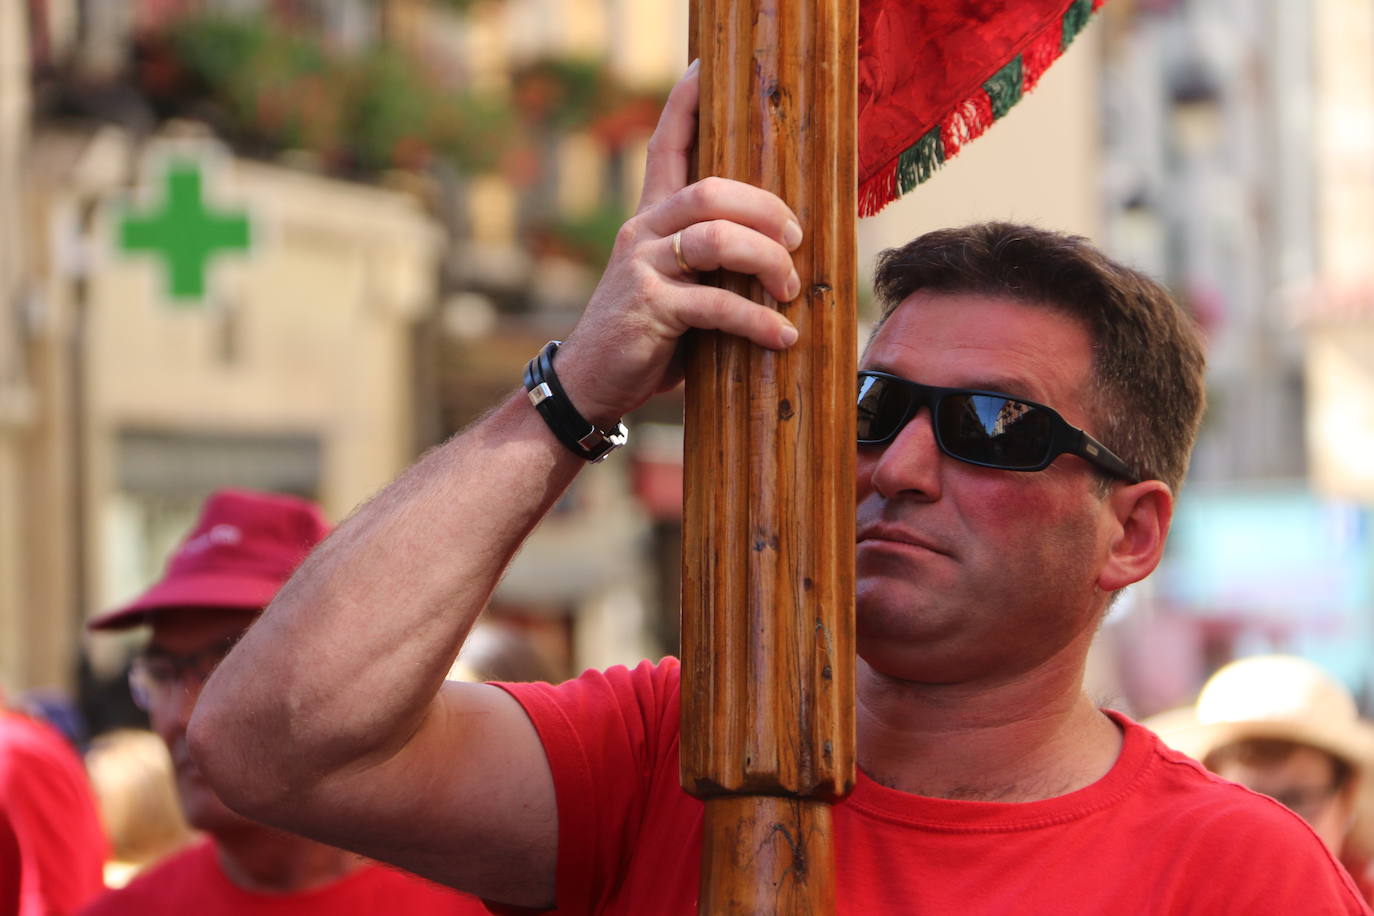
343 666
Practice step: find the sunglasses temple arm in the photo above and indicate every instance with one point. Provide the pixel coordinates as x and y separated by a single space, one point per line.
1103 457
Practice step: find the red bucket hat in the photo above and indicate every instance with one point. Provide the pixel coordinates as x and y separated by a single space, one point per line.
242 550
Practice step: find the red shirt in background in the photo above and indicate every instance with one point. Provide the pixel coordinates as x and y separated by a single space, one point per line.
191 881
49 803
10 866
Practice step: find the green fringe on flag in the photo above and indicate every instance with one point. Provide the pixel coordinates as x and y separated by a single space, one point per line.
1075 18
1004 88
921 160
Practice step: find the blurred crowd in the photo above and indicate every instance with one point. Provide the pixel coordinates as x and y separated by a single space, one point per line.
136 830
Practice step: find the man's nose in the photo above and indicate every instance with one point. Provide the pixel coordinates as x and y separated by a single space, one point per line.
909 464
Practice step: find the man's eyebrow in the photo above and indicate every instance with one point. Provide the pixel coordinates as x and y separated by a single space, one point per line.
1015 387
1012 386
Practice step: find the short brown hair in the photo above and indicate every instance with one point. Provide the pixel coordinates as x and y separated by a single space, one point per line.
1148 361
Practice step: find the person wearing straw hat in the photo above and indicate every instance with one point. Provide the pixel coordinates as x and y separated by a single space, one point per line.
244 546
1283 727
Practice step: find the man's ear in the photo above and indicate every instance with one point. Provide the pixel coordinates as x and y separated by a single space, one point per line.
1139 524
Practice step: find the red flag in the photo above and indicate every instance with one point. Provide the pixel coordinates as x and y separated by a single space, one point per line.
934 74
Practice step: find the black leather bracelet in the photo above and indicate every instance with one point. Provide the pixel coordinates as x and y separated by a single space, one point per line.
569 427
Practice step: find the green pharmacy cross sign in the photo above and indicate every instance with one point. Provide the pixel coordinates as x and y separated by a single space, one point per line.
184 233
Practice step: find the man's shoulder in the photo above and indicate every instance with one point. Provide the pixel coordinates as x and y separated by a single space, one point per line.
1180 788
1210 845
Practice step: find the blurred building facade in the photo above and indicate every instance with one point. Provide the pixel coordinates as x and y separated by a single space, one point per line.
384 302
18 412
1337 310
292 372
1237 169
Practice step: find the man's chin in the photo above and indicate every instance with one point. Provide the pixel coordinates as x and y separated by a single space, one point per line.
923 641
890 608
913 665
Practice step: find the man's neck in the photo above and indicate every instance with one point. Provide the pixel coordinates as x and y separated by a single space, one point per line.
1032 738
268 861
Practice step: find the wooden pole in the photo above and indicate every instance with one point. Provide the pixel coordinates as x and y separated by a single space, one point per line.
768 547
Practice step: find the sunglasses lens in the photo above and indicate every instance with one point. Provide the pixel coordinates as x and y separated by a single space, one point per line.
1001 432
882 406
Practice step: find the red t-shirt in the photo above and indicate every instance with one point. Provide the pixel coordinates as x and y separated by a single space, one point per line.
1157 835
1362 870
49 803
192 882
10 867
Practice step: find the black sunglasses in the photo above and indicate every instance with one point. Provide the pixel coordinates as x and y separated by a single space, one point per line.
984 428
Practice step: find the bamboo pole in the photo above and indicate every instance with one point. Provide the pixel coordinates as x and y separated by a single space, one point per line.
768 547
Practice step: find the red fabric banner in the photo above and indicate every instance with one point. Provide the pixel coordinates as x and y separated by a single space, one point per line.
934 75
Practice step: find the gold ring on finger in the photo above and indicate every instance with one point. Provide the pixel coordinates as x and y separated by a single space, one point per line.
677 254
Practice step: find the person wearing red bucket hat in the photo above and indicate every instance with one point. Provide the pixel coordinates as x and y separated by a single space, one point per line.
243 548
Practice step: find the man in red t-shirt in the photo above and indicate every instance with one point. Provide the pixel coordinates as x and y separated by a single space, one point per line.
993 533
48 802
244 546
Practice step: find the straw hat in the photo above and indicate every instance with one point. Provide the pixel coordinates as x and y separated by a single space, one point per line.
1270 696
